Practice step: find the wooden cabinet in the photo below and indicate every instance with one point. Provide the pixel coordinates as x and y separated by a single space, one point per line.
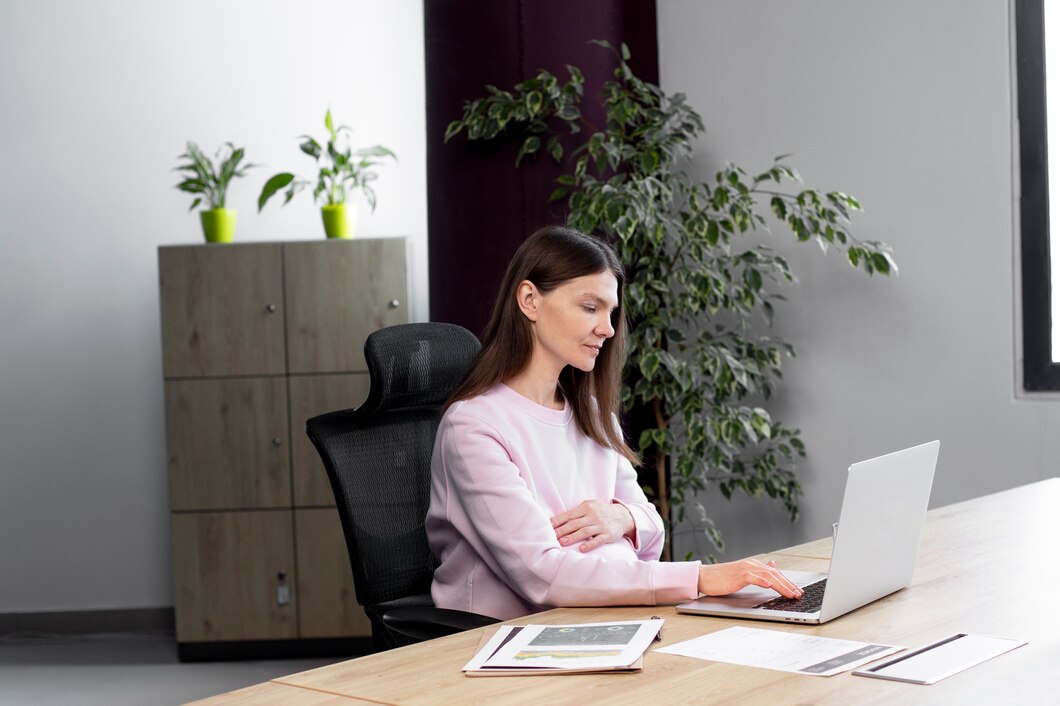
227 443
336 297
229 569
256 339
221 310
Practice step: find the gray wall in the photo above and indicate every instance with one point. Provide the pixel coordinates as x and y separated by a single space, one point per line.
908 106
96 102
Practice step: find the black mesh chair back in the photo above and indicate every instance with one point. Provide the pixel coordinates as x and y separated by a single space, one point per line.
378 458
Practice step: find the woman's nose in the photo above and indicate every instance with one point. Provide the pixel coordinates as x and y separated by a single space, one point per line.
605 328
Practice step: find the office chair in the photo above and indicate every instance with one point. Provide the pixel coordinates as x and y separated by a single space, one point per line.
378 459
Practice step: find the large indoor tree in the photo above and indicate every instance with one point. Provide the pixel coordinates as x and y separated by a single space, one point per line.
700 293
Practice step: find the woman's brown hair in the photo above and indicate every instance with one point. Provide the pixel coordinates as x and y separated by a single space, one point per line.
548 258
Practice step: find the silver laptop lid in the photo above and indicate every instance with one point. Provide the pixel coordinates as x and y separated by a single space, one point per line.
881 520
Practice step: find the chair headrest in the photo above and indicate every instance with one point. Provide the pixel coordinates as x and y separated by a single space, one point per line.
414 365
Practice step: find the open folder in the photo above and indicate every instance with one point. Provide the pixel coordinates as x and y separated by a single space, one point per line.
564 649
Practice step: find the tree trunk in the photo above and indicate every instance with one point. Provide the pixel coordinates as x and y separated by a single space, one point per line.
662 485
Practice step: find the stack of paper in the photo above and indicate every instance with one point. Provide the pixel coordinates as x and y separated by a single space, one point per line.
564 649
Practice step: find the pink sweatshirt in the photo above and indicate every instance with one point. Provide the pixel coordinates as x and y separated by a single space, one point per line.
502 467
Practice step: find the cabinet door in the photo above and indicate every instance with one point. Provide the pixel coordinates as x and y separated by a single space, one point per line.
222 310
227 567
312 395
227 443
327 606
338 292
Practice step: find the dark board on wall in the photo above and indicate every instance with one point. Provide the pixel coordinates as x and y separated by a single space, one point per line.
479 206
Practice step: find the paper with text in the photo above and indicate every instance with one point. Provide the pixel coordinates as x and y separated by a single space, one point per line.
781 651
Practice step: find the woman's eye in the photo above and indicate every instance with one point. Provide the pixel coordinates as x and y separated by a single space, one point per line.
590 309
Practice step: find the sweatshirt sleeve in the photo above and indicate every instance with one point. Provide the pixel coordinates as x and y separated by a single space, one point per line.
490 504
649 533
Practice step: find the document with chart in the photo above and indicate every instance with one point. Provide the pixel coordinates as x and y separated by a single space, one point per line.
564 649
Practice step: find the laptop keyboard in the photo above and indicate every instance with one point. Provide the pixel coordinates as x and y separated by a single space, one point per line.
810 602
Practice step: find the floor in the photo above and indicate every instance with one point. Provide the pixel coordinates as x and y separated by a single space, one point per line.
117 669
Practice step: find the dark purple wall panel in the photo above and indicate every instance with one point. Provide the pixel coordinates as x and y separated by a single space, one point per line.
480 207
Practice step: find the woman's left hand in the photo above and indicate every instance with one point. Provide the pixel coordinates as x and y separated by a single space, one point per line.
593 523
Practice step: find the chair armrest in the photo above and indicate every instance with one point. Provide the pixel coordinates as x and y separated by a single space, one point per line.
427 623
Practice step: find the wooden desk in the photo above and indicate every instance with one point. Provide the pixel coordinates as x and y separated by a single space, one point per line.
273 693
981 562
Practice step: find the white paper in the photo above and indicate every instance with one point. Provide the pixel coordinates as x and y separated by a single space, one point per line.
490 647
942 659
781 651
581 646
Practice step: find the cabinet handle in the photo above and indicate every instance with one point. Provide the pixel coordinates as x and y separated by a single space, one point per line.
283 591
270 308
394 303
276 441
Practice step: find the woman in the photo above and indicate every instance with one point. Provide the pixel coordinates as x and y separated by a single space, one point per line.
534 498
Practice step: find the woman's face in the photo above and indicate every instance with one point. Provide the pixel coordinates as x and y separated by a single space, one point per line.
572 322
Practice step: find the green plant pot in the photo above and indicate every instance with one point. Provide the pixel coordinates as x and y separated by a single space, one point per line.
219 224
340 220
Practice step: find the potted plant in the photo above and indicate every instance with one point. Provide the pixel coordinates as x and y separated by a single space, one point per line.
702 361
341 171
209 184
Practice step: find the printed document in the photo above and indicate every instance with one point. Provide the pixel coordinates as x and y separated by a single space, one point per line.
585 647
781 651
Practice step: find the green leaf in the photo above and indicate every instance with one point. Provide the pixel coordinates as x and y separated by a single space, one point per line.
453 129
712 232
533 102
780 209
311 147
273 185
649 364
375 151
192 186
767 312
555 148
579 168
202 164
288 195
569 113
530 146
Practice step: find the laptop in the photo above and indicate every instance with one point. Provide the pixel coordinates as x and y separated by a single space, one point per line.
875 547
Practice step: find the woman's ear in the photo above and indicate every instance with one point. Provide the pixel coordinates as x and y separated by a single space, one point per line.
526 296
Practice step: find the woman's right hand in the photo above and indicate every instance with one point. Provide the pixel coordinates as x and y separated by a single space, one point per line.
722 579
